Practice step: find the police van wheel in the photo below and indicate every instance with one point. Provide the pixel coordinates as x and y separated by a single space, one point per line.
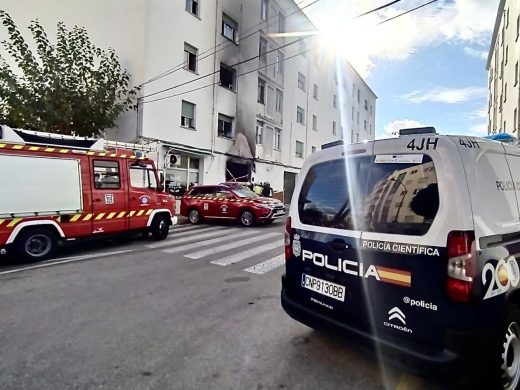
160 228
194 216
35 245
247 218
510 351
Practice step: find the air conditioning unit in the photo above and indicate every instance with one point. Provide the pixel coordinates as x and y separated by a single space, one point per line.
173 160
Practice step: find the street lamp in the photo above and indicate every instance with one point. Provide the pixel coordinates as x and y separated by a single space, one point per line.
402 199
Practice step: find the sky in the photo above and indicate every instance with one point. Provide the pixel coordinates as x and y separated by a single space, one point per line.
428 67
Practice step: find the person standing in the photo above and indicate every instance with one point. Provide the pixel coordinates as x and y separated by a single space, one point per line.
267 191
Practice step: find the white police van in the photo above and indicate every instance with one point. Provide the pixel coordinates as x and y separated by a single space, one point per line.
411 245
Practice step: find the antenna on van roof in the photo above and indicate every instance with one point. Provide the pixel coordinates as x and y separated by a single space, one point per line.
418 130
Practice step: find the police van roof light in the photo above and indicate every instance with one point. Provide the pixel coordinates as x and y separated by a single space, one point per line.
418 130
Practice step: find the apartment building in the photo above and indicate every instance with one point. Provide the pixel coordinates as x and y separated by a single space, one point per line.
503 71
229 86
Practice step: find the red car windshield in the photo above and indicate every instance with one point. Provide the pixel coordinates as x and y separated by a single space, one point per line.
243 192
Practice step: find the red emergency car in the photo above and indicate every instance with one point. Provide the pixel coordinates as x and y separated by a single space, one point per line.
60 188
229 201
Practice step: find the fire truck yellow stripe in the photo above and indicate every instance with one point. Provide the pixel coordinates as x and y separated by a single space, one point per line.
90 153
49 149
113 155
14 222
34 148
131 213
99 216
140 212
123 156
17 147
88 217
111 215
75 218
121 214
149 212
102 154
64 150
132 157
2 221
2 145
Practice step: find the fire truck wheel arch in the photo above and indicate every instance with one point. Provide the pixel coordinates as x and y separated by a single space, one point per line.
39 223
155 212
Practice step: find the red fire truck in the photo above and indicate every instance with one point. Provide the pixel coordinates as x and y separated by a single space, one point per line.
58 188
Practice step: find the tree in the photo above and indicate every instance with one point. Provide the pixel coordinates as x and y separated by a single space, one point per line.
71 87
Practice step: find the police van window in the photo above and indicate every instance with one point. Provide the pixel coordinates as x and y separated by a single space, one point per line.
142 176
394 198
106 174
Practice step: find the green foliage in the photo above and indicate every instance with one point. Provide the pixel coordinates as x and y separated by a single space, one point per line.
69 87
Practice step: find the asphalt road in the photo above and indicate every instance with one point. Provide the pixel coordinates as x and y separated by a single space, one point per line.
197 311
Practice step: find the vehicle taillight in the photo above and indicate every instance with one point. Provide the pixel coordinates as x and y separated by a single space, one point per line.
287 239
461 265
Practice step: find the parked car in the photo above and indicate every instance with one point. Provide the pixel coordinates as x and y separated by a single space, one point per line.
229 201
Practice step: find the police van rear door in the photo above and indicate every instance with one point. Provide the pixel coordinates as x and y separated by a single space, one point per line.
371 229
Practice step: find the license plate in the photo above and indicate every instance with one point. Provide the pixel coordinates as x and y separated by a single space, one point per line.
281 212
323 287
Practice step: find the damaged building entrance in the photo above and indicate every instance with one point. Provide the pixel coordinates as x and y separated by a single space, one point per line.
239 165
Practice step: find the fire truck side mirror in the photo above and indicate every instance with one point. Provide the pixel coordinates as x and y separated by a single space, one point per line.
161 178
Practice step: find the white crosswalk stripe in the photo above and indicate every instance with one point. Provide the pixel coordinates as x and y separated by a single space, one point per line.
235 258
183 233
184 227
232 245
217 240
191 237
267 265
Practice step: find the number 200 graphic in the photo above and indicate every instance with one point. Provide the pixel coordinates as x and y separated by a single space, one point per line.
504 275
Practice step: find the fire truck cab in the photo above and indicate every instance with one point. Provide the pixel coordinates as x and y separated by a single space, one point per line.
61 188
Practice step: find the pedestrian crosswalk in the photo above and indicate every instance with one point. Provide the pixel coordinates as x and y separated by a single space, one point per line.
260 248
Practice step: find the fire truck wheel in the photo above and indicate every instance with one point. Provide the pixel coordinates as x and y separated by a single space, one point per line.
194 216
160 228
35 244
247 218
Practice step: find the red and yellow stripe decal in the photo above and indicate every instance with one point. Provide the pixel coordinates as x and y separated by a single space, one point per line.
68 151
395 276
85 217
231 200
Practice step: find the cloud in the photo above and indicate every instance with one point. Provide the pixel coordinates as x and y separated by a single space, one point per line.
482 54
392 128
479 130
480 113
445 95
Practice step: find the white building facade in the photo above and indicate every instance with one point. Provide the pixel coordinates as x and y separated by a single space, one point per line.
503 71
221 90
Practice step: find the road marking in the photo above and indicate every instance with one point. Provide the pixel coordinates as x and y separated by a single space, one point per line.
192 237
267 265
186 226
65 260
217 240
232 245
183 233
235 258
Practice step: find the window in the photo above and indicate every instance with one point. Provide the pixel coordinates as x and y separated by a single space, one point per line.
507 18
352 113
358 95
370 131
190 57
106 174
370 109
262 50
368 197
516 73
334 131
299 149
300 115
264 5
229 28
186 172
261 91
334 101
357 117
366 105
301 81
365 125
192 6
279 101
353 90
315 92
351 135
507 54
357 137
259 132
225 126
505 92
515 121
279 62
277 138
303 49
281 22
142 176
505 128
188 114
227 77
314 123
313 149
517 27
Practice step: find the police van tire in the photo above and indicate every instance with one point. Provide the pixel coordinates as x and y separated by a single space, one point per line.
160 228
35 244
194 216
510 349
247 218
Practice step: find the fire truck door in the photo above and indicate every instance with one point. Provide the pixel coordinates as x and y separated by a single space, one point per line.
142 192
109 198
